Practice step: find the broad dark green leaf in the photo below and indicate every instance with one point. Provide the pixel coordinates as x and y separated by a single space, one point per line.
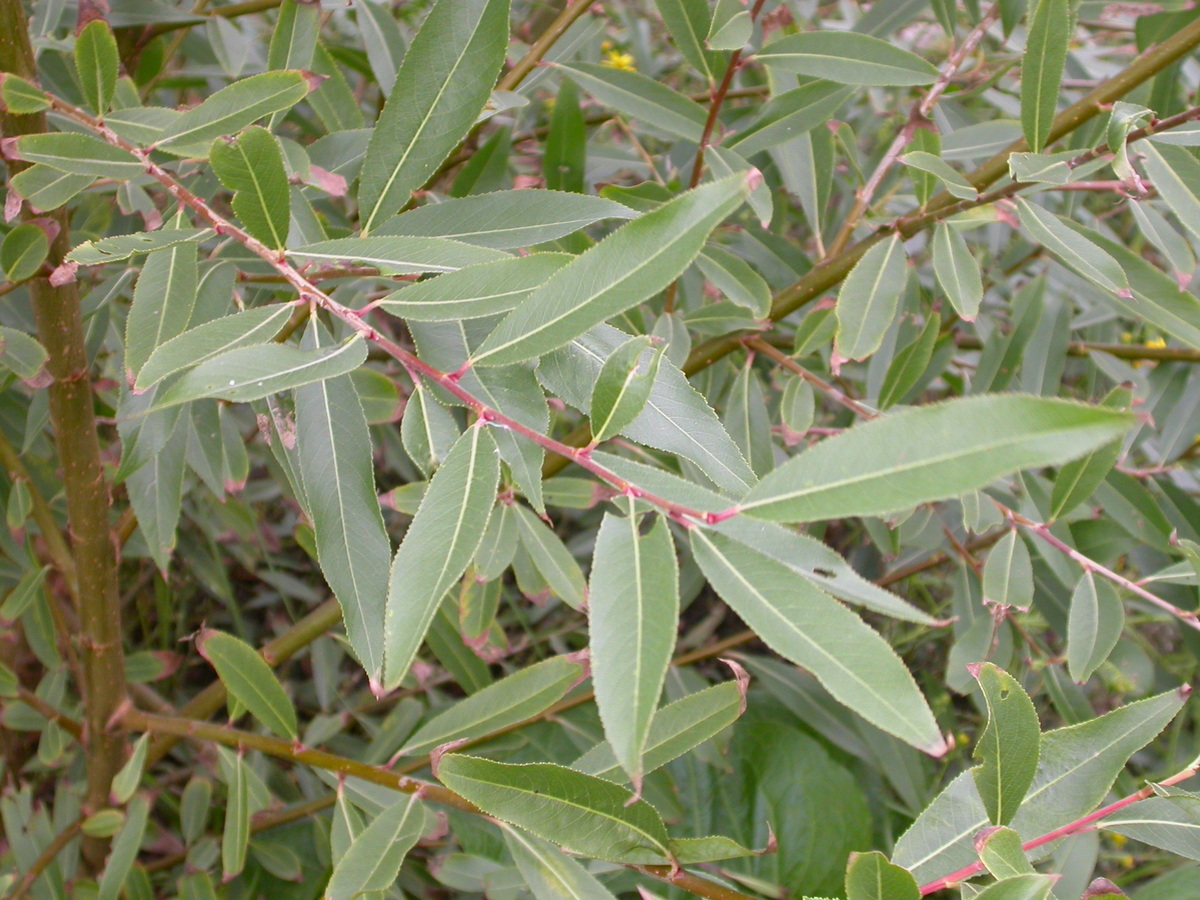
1050 26
251 165
232 108
931 453
504 220
869 876
334 451
868 299
640 97
521 696
810 628
373 860
249 679
97 63
957 271
847 58
1094 626
400 255
163 300
581 813
259 370
194 346
448 74
438 547
1009 746
633 605
23 251
1076 770
78 154
632 264
484 289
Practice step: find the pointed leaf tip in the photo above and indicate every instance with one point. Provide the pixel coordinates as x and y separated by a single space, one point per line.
742 677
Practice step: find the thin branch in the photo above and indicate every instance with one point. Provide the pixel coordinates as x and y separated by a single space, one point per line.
815 380
46 711
1079 825
539 48
1120 351
1190 619
918 115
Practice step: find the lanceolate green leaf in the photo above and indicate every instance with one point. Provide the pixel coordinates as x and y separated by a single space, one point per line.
125 849
448 74
333 446
259 370
675 729
1008 573
1175 172
1009 746
581 813
551 558
847 58
622 388
1049 31
930 453
401 255
78 154
235 837
630 265
484 289
1076 769
438 546
641 97
1078 479
162 303
790 115
676 417
867 301
1075 250
23 251
97 63
194 346
251 165
373 860
957 271
1095 623
550 873
869 876
116 249
249 679
633 606
231 109
522 695
506 219
810 628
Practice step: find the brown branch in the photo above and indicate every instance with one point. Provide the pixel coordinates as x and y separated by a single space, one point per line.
539 48
60 330
46 711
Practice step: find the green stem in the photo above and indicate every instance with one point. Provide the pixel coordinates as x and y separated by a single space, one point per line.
60 329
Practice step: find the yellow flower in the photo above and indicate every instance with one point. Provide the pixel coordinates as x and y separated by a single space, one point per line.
1126 337
618 59
1155 343
1118 840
